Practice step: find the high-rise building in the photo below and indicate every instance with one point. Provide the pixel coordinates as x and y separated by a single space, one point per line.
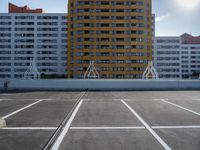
115 34
153 25
177 57
38 37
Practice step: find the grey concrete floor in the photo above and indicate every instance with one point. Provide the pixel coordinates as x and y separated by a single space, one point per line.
8 106
23 139
102 122
44 114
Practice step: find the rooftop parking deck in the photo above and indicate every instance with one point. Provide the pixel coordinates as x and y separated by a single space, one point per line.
101 120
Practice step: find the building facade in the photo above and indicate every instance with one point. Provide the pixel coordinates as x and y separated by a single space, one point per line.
177 57
28 37
116 35
16 9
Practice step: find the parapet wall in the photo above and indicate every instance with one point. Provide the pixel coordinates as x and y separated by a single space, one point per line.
100 84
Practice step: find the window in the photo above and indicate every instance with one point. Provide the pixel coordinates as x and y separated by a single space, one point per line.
24 17
5 29
24 23
5 23
5 17
105 10
47 17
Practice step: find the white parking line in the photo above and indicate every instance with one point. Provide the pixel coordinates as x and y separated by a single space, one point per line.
29 128
24 99
136 127
96 100
104 128
5 99
159 99
158 138
181 107
49 99
196 99
101 128
66 128
175 127
125 99
21 109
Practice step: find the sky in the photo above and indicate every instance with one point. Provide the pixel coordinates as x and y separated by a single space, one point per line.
173 17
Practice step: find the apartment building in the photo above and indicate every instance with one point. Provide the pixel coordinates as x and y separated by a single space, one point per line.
153 25
177 57
116 35
25 9
32 37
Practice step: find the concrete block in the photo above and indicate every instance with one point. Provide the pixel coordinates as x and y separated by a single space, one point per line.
2 123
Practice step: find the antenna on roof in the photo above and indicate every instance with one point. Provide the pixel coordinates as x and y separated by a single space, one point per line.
150 72
32 72
91 72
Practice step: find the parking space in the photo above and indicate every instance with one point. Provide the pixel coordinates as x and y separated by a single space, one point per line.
26 95
54 95
9 106
24 139
104 113
103 120
181 139
139 139
154 95
43 114
158 113
193 104
33 117
101 96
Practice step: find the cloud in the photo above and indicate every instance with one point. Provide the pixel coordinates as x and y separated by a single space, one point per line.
163 17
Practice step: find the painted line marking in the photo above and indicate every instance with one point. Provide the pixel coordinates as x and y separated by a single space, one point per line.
175 127
29 128
181 107
47 99
159 99
176 99
196 99
66 128
126 99
6 94
107 100
22 109
5 99
139 127
25 99
158 138
104 128
100 128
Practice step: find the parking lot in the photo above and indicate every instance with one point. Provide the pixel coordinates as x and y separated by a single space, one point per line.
140 120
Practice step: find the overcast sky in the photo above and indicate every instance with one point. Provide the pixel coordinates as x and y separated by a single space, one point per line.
172 18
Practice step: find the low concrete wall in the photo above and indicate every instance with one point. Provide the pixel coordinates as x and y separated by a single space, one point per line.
100 84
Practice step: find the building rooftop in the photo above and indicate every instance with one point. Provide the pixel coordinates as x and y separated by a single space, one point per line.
189 39
25 9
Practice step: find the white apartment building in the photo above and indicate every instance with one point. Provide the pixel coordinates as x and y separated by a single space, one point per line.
27 37
177 57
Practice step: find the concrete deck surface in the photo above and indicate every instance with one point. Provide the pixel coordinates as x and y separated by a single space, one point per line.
104 120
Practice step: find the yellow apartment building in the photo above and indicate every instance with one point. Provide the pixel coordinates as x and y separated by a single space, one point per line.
115 34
